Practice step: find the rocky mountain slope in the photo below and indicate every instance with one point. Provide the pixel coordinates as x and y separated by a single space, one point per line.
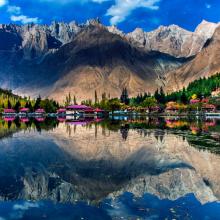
174 40
206 63
101 61
61 58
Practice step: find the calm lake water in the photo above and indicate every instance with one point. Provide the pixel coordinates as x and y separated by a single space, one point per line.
121 168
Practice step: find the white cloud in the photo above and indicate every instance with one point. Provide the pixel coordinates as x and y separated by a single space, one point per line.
71 1
99 1
25 19
25 206
208 6
12 9
17 16
123 8
3 2
20 209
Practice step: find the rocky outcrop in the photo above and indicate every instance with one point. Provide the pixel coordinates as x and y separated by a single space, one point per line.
64 32
113 29
174 40
206 29
36 40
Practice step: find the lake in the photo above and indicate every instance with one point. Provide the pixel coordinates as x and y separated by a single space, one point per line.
115 168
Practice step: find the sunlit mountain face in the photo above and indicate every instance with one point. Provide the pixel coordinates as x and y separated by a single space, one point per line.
110 164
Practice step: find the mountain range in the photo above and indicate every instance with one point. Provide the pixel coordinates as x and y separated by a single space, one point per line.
53 60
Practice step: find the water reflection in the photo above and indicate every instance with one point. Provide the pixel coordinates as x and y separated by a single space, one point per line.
92 160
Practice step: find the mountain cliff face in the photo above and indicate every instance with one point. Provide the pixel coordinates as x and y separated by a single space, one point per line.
205 64
36 40
174 40
61 58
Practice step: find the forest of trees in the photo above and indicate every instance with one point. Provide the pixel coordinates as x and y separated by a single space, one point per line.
201 88
10 100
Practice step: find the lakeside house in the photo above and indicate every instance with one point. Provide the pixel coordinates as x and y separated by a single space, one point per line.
61 119
9 119
24 120
99 111
153 109
61 111
171 107
78 109
194 101
40 119
9 112
24 111
39 112
209 108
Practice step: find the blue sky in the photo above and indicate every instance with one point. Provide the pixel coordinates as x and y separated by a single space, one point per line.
126 14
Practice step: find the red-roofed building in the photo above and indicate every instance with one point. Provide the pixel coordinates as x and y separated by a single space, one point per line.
99 111
171 107
74 109
9 111
205 100
9 119
24 120
39 111
208 108
61 111
155 109
24 111
61 119
40 119
194 101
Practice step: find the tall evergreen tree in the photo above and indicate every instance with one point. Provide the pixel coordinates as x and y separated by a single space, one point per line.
74 100
17 106
162 96
37 103
124 96
9 104
96 97
183 97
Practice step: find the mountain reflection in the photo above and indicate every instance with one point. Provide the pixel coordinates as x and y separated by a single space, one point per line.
93 159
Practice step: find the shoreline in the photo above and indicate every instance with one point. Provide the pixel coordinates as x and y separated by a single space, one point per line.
53 115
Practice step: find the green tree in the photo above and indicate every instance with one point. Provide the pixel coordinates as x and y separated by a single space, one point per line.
183 97
9 104
124 96
49 106
17 106
74 100
37 103
68 99
149 103
114 104
96 97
